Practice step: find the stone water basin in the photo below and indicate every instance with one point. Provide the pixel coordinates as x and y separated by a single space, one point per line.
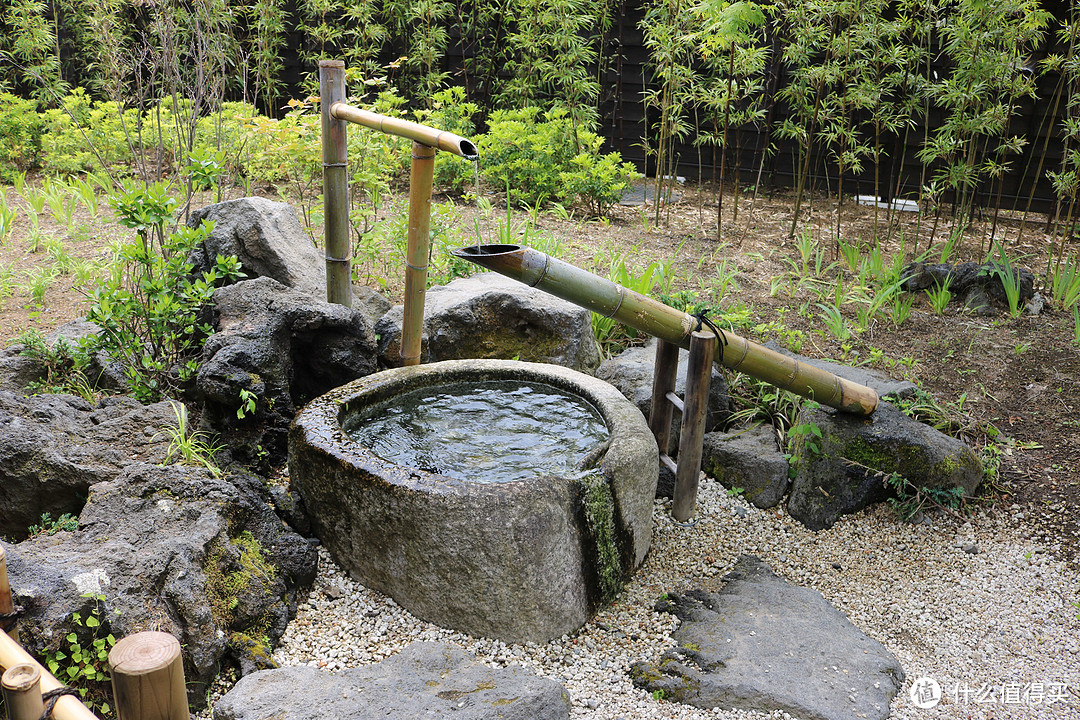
518 558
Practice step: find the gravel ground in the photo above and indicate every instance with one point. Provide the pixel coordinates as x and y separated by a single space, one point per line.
986 613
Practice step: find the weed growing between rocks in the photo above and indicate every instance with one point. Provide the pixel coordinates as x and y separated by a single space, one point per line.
83 662
49 527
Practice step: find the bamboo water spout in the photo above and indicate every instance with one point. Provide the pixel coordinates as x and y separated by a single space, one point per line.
606 298
426 142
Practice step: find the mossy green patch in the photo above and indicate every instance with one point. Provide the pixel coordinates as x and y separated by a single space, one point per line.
599 511
231 568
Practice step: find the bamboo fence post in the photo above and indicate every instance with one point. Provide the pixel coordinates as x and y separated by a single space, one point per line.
665 368
67 707
335 184
421 175
692 433
22 692
148 678
7 604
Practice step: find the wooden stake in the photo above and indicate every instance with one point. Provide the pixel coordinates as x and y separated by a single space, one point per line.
7 604
335 149
692 434
665 369
22 692
148 678
416 255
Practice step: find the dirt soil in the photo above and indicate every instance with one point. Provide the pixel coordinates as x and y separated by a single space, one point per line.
1022 375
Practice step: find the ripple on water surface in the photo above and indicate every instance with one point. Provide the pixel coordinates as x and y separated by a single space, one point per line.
494 431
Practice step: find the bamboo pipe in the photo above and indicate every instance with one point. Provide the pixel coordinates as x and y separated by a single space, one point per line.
335 149
606 298
432 137
418 248
67 707
22 692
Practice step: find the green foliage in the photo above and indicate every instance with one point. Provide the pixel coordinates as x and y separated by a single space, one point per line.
653 280
1064 279
48 527
1010 280
20 136
911 500
940 296
450 111
190 447
536 156
85 135
810 431
64 365
82 660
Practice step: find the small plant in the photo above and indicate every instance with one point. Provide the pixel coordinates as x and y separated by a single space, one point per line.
834 321
248 401
940 296
735 492
912 500
1076 325
7 217
812 432
84 664
48 527
1010 281
64 365
190 447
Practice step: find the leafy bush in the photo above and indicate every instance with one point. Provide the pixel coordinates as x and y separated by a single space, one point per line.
541 159
85 135
452 113
20 136
149 312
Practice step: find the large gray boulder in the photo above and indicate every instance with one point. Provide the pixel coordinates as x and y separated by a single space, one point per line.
632 372
765 645
268 240
283 347
488 316
53 448
748 459
20 368
842 461
167 548
425 680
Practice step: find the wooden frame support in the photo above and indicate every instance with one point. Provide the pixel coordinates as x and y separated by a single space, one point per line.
148 678
665 369
692 433
22 692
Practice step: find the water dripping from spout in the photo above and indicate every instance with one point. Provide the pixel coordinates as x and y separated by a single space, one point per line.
476 219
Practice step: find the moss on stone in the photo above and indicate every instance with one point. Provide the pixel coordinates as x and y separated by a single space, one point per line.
599 511
230 569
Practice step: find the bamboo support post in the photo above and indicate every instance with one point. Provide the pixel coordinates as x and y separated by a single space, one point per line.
421 174
335 184
7 603
692 433
22 692
67 707
660 411
606 298
148 678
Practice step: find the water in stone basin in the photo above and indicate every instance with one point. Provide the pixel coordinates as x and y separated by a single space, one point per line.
494 431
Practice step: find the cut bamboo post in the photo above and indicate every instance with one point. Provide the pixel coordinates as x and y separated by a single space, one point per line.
418 249
7 603
335 150
692 433
665 369
67 707
22 692
148 678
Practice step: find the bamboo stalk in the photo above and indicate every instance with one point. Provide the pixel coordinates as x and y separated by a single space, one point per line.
416 132
666 323
335 185
22 692
67 707
692 433
416 255
148 678
7 603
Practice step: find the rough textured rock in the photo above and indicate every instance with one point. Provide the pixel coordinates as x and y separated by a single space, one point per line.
171 549
879 381
632 370
748 459
425 680
18 371
855 455
267 238
972 282
763 644
520 561
53 448
285 348
491 316
370 302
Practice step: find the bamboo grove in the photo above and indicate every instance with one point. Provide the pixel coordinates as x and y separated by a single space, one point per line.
845 85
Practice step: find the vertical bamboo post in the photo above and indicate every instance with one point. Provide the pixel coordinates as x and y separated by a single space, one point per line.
335 184
7 604
696 407
665 369
421 175
22 692
148 678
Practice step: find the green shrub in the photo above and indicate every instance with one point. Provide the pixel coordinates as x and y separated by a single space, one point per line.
537 156
20 136
85 135
452 113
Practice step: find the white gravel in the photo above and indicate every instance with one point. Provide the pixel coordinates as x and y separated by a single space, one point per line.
999 619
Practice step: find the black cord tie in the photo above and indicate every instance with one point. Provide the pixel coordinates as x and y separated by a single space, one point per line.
702 320
51 697
7 620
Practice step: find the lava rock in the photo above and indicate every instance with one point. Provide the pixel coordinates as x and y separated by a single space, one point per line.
632 371
748 459
283 347
166 548
53 448
763 644
424 680
489 316
962 277
846 468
